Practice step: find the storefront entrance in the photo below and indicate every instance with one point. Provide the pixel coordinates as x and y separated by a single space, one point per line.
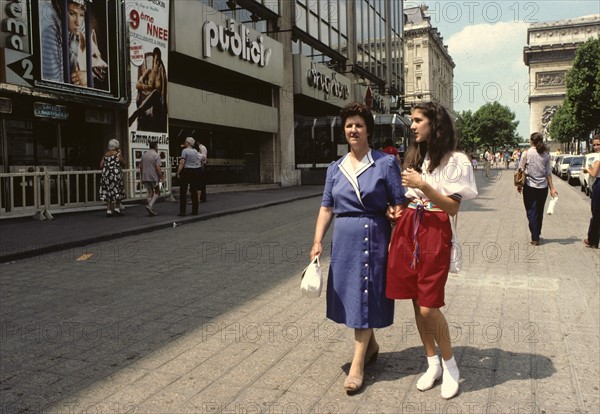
233 155
58 146
41 159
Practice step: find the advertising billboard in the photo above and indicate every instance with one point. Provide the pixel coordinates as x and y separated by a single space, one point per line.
148 23
68 46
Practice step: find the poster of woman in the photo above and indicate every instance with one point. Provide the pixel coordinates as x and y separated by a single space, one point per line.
73 42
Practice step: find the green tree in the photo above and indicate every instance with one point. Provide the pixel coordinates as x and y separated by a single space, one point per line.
496 127
583 86
564 126
466 131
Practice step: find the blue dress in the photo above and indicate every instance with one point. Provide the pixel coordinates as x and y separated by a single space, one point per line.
361 235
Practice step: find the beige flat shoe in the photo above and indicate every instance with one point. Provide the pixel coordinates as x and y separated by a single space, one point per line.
353 384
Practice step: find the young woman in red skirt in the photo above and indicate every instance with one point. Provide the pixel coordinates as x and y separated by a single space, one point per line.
436 178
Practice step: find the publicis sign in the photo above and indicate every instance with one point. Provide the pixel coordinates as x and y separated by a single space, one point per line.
216 39
235 40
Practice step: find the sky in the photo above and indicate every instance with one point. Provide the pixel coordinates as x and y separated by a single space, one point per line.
486 41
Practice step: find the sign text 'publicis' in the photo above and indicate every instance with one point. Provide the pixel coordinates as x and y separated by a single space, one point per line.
235 40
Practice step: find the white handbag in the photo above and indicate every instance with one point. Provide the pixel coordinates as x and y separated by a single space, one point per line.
456 250
312 279
552 205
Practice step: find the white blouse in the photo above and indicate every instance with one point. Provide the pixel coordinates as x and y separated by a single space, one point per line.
454 176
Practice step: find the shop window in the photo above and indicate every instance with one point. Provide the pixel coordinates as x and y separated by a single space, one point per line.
31 144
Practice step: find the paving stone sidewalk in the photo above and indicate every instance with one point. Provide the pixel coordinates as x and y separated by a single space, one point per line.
207 318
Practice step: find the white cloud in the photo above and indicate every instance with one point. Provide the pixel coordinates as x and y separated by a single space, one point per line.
489 67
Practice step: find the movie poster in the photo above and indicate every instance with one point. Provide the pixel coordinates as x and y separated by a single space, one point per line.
74 45
148 22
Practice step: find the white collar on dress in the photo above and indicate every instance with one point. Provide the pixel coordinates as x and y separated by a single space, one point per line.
352 174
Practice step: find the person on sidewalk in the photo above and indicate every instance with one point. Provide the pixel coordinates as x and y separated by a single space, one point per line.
538 177
151 175
389 148
188 176
437 179
202 154
358 188
593 236
487 156
112 189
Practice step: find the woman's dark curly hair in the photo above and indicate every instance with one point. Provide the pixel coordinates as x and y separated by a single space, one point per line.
360 110
441 141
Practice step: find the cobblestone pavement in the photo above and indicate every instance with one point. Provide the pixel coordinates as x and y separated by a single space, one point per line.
207 317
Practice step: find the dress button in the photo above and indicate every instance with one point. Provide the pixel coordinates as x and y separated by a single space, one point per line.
366 239
366 291
366 277
366 264
366 252
366 226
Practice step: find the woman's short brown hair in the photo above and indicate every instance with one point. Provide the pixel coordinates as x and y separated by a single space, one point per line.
361 110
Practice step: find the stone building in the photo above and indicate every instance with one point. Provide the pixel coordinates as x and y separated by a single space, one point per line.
549 54
428 67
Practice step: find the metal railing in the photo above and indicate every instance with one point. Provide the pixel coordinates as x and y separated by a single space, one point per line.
38 194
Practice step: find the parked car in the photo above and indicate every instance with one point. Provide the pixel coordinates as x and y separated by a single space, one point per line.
574 169
584 178
553 158
556 164
563 164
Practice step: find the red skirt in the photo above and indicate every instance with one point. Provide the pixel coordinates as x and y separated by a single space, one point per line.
418 264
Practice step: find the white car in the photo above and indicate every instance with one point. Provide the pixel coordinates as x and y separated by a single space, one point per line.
584 177
561 169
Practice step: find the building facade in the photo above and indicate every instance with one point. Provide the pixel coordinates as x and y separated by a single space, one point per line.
258 82
549 54
428 66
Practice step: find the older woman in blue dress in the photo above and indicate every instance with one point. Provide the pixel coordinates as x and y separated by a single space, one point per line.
358 190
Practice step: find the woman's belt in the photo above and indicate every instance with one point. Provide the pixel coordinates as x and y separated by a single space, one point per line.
420 206
427 205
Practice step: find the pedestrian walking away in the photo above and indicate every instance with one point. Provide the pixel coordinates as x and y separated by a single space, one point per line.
202 154
111 180
358 188
203 161
538 177
151 175
593 236
437 178
188 176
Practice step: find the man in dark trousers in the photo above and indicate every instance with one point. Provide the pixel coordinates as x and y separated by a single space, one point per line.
187 172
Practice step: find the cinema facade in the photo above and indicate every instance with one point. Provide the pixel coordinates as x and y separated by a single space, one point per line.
258 82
